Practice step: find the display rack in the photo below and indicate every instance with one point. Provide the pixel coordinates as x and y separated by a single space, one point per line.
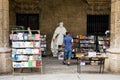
43 44
91 44
87 43
103 43
26 49
76 47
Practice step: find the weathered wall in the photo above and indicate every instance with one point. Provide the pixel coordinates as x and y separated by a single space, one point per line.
71 12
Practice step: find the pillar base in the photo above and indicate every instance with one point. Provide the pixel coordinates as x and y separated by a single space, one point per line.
5 63
113 62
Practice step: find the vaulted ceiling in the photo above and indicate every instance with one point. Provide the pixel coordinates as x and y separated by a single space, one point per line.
91 2
87 1
90 5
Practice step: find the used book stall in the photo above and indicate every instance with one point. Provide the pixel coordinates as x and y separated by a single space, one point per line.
26 53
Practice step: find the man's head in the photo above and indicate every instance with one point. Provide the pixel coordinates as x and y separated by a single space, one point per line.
67 33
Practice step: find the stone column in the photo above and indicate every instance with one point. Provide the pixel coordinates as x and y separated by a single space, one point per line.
4 22
5 55
113 63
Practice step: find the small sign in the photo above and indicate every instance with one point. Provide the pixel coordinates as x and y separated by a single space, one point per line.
90 54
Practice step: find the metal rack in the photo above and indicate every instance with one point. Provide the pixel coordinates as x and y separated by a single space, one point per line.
26 50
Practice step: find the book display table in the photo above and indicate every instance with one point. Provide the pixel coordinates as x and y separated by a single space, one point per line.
99 58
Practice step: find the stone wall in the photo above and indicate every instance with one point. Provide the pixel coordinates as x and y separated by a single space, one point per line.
71 12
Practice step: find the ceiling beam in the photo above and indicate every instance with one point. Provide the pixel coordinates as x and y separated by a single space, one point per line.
98 1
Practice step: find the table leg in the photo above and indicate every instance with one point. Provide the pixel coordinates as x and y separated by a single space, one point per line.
78 66
100 65
31 69
102 60
21 70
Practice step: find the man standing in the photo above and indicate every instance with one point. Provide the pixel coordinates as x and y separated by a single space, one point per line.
67 44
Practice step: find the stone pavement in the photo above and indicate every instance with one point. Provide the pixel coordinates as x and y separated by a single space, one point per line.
62 77
53 69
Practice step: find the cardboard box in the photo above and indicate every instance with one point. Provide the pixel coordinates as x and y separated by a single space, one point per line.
95 63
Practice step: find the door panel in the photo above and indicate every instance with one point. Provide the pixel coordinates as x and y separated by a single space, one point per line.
28 20
21 20
33 21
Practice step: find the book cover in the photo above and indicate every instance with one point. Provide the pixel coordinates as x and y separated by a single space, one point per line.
34 64
37 36
21 44
19 51
30 63
25 36
38 63
14 51
11 36
28 51
15 44
20 36
36 44
37 57
36 51
15 37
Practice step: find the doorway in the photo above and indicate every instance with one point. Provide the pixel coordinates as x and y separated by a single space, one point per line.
97 24
28 20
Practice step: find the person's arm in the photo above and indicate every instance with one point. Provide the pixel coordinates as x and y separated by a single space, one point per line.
63 44
72 42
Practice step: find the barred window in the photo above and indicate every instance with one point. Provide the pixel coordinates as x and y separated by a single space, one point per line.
97 24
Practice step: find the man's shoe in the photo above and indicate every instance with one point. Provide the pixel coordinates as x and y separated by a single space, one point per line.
63 62
68 64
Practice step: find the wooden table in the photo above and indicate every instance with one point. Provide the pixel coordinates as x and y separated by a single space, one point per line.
91 58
